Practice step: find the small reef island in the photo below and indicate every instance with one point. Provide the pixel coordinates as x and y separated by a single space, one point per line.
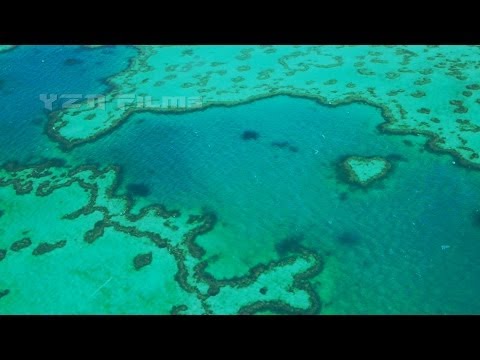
364 171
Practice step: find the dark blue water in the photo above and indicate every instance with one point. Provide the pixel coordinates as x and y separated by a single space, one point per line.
28 71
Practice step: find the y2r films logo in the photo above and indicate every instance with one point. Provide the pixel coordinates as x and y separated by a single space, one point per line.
122 102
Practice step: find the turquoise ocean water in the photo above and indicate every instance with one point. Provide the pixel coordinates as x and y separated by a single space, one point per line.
408 244
386 242
28 71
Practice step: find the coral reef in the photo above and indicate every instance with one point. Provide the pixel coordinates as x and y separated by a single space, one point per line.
331 75
44 247
142 260
21 244
365 170
83 210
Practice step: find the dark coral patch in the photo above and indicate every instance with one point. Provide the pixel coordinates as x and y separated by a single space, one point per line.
213 290
194 219
423 111
21 244
177 309
418 94
93 234
44 247
142 260
250 135
138 189
72 61
4 293
263 290
473 87
3 253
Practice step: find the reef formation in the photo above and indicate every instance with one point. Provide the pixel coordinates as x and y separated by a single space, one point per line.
82 210
365 170
422 90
